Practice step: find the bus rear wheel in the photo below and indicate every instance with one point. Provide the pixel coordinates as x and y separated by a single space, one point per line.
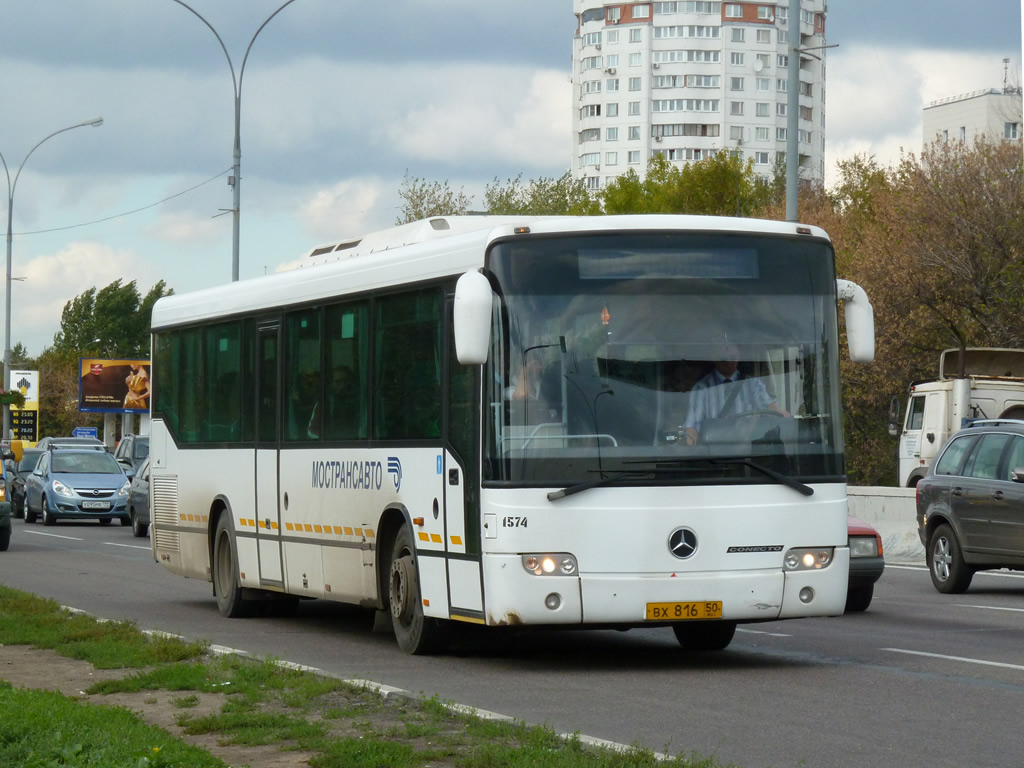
704 635
226 585
416 634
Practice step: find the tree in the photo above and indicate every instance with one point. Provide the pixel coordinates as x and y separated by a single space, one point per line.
937 243
564 196
58 394
718 185
422 199
111 322
20 357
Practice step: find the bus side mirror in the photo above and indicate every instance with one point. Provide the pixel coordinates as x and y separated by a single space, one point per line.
894 416
860 321
473 306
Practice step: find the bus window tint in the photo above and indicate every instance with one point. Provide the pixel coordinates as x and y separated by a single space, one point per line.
408 366
223 362
346 349
303 415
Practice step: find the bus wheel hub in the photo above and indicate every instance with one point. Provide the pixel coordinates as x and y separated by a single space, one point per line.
401 593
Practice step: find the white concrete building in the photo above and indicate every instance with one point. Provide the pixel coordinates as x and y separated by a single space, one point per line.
993 114
687 78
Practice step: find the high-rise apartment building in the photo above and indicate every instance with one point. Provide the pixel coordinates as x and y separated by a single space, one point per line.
688 78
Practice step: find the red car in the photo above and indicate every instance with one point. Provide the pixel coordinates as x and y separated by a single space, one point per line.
866 564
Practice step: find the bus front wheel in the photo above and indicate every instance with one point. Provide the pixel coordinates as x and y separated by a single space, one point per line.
416 634
225 572
704 635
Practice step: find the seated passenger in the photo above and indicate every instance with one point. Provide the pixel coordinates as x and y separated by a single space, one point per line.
530 397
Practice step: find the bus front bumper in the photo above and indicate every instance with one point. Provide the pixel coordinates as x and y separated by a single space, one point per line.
516 597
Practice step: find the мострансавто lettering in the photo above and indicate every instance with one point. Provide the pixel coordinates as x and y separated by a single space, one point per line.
355 475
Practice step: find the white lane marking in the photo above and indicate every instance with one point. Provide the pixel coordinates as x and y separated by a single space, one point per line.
760 632
997 574
956 658
55 535
129 546
990 608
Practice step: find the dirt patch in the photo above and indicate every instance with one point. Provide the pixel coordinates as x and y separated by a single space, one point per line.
25 667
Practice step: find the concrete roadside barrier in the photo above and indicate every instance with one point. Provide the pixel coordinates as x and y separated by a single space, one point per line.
892 512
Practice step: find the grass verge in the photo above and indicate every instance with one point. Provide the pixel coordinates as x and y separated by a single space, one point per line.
265 705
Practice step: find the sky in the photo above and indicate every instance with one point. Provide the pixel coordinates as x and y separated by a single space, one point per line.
339 101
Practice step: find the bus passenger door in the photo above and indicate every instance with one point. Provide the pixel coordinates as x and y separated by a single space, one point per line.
462 485
268 440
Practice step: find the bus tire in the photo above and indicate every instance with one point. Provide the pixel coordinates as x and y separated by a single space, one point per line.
416 634
226 585
704 635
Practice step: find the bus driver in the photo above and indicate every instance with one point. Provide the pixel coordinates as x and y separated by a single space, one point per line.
726 392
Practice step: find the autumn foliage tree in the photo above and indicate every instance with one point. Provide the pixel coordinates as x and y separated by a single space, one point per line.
937 241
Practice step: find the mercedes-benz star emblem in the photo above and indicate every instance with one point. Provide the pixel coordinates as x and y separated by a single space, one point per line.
682 543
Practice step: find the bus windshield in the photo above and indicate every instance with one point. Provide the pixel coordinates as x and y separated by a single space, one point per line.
662 358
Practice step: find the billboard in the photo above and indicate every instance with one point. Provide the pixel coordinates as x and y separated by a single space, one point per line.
113 386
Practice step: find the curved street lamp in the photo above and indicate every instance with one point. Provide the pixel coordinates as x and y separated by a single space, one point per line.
95 122
236 178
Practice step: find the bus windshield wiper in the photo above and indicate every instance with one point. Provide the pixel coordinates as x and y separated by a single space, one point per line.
778 477
607 477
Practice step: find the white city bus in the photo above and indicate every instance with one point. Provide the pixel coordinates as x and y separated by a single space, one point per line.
495 421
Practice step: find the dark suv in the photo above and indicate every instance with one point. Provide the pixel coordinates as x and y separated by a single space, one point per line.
970 505
132 451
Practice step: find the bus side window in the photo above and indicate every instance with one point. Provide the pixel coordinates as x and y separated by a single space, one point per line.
302 375
407 402
347 347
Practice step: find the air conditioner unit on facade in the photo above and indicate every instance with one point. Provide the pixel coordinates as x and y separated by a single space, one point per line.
657 138
597 47
610 70
655 65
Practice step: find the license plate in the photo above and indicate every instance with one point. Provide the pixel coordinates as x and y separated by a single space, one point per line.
710 609
95 505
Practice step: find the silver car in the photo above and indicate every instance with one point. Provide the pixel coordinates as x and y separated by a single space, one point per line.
138 501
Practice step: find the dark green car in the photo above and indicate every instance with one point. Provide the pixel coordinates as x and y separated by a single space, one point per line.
5 506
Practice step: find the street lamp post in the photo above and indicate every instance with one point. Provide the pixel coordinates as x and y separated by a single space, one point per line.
95 122
236 177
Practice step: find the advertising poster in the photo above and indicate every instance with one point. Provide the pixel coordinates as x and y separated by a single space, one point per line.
25 420
113 386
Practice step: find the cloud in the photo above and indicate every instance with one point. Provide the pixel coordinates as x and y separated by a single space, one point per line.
342 209
52 280
876 96
525 125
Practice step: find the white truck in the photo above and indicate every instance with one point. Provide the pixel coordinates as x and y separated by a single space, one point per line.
990 385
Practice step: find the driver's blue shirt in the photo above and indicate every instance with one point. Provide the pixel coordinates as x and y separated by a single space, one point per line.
709 395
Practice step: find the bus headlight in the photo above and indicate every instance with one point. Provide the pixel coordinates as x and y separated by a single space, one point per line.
808 558
550 564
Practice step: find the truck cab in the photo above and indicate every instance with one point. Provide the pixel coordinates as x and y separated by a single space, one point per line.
990 385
